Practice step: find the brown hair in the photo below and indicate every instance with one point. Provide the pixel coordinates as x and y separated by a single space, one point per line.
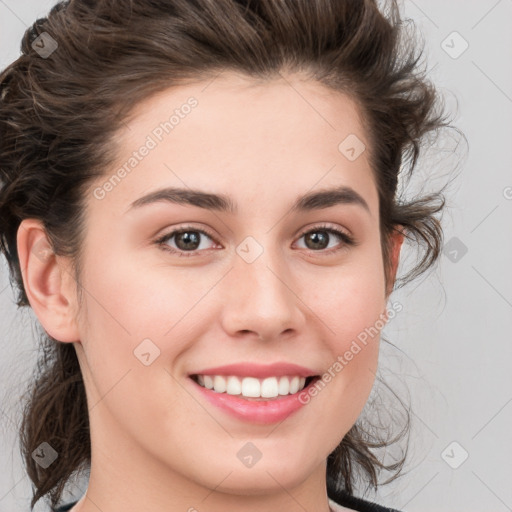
59 113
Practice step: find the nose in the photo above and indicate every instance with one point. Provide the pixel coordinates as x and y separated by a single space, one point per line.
261 301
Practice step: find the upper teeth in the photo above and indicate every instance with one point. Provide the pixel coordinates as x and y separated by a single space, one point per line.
251 387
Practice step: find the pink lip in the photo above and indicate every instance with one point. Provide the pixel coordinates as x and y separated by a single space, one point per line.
259 371
262 412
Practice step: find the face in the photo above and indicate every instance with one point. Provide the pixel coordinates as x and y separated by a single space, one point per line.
176 288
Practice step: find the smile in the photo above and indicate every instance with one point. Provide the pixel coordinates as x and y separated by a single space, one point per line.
251 387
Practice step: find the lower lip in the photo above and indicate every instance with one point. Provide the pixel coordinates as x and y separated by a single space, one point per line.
257 411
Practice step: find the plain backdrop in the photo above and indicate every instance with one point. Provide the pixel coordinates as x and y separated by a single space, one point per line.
453 346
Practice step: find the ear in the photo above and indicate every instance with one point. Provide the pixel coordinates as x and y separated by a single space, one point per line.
395 243
48 282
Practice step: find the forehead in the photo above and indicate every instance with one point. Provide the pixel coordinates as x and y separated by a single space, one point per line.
234 100
287 134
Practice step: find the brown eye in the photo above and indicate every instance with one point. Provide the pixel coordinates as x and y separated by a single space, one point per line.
188 241
318 239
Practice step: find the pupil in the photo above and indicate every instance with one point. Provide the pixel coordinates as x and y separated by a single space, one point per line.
318 237
190 238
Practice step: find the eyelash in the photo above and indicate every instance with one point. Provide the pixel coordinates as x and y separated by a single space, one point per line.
347 239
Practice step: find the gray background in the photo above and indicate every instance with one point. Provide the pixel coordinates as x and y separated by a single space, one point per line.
454 330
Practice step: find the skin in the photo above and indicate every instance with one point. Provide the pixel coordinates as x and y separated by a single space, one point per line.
156 444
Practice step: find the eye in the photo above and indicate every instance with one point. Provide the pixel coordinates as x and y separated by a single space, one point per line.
318 238
187 240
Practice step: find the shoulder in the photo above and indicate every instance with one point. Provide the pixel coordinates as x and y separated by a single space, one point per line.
341 499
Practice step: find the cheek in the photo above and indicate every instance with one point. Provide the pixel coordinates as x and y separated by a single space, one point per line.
126 315
350 299
351 304
128 299
135 328
135 314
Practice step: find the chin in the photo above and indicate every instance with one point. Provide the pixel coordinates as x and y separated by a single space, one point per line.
260 483
265 477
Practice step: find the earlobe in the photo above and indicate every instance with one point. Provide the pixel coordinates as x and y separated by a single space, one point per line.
47 282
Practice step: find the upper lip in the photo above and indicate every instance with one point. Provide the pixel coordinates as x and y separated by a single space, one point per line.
259 370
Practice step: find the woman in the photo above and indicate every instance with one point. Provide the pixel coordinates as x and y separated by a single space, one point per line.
200 205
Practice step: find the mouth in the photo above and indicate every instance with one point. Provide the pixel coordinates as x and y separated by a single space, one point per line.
229 395
252 388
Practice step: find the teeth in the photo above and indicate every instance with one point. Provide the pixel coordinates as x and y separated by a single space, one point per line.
294 385
250 387
269 388
208 381
219 384
284 385
234 387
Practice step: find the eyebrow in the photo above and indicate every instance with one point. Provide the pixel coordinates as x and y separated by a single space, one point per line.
219 202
